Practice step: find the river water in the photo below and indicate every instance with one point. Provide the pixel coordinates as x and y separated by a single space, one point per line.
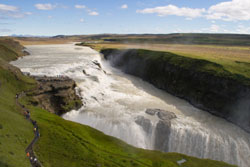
113 101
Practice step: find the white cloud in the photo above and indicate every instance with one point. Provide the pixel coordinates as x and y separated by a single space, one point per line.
5 30
89 11
7 11
234 10
82 20
80 6
50 17
28 13
93 13
214 28
17 15
46 6
125 6
230 11
7 8
242 29
174 10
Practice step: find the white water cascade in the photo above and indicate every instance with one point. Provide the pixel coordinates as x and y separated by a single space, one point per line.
113 101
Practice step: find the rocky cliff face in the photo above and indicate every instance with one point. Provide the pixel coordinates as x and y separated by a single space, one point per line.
223 95
162 129
56 94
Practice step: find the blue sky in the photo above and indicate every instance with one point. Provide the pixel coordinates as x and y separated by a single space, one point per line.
47 17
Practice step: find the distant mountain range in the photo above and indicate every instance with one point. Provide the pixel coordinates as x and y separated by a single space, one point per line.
27 35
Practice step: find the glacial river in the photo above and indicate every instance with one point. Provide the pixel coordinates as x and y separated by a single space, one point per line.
114 100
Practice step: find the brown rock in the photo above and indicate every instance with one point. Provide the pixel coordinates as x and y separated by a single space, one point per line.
57 94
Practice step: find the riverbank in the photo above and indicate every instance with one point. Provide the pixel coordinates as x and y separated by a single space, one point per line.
204 84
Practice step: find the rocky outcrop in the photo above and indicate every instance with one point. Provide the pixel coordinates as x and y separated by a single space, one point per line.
144 123
162 114
163 128
56 94
219 92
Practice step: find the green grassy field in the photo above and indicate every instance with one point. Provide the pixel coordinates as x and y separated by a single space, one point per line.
64 143
15 131
174 38
235 59
183 38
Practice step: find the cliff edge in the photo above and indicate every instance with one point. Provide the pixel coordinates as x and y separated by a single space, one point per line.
56 94
206 85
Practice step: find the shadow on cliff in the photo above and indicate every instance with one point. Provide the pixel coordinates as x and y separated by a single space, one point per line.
239 110
118 62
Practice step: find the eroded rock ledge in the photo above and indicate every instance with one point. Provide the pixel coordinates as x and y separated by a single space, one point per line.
56 94
162 127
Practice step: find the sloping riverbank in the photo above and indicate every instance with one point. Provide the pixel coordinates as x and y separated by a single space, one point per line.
204 84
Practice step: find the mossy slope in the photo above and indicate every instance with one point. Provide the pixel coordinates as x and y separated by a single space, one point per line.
15 131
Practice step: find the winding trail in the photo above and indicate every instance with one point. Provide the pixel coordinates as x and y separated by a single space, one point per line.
29 150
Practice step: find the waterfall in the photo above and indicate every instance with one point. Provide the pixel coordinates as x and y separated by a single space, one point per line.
216 144
115 103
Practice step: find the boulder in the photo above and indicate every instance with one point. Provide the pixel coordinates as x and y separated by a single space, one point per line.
97 64
163 128
151 111
166 115
162 114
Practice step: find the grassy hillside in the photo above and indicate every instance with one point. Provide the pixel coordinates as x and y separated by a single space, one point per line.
15 131
64 143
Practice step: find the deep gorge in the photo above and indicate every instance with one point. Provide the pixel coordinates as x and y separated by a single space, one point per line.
223 94
121 105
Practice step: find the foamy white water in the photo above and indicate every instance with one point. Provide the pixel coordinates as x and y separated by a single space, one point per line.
114 100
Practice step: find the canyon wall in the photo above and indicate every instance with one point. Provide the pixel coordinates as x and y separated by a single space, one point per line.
206 85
